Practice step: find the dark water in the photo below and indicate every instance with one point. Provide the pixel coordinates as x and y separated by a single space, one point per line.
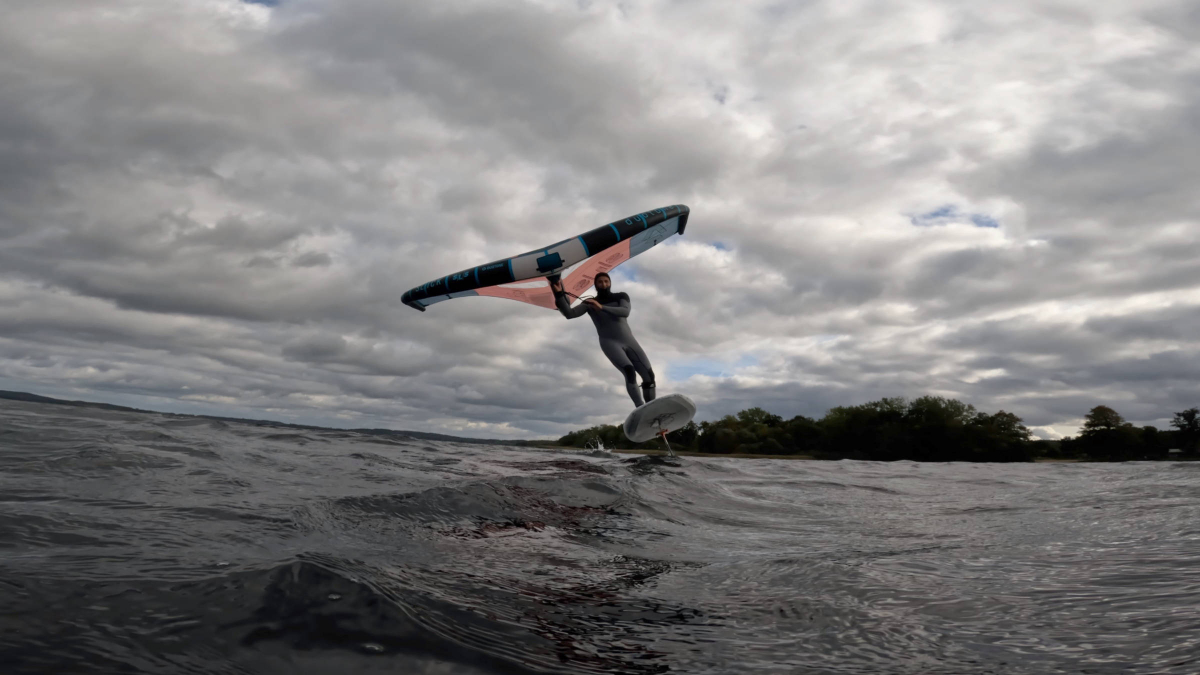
141 543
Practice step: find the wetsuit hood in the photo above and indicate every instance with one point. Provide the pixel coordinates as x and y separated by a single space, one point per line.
605 296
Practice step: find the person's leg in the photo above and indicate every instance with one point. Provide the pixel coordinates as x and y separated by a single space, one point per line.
616 354
641 364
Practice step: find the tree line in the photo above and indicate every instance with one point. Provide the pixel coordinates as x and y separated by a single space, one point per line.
1107 436
929 428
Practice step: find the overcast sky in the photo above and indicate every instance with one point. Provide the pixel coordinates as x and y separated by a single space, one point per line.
213 206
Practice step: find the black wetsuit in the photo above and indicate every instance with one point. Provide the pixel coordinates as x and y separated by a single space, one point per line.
616 340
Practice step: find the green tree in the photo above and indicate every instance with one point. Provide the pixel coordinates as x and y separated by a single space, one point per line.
1102 418
1000 438
803 435
686 436
939 410
1005 425
751 416
719 436
935 429
1106 435
1153 443
872 430
748 441
725 441
1188 424
929 428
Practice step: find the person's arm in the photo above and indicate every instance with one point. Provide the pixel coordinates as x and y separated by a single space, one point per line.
565 308
564 305
621 309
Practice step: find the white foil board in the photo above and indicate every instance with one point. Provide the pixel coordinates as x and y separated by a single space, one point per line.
665 413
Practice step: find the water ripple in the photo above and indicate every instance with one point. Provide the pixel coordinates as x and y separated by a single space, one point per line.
143 543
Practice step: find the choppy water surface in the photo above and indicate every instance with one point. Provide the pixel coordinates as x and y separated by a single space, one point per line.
143 543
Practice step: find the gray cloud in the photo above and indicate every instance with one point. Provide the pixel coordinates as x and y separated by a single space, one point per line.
214 206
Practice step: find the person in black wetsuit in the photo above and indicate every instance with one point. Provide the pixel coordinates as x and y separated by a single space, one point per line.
608 311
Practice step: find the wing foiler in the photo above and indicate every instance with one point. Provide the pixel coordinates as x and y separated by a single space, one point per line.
599 250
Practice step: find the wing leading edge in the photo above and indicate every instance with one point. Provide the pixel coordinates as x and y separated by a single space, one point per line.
599 250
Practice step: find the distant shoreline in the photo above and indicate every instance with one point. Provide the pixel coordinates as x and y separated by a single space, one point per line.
688 453
26 397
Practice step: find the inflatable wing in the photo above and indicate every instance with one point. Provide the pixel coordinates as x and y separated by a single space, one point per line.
599 250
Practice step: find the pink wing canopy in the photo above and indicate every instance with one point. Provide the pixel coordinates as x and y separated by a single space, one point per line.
575 283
